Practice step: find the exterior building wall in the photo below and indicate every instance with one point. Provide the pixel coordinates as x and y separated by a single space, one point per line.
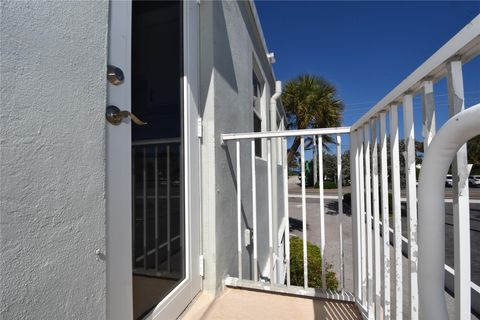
230 46
52 168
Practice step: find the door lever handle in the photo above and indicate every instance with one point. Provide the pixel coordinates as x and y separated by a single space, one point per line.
115 116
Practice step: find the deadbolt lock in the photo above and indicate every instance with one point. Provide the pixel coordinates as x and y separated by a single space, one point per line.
115 75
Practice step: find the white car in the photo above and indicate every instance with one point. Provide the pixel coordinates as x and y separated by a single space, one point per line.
474 181
449 181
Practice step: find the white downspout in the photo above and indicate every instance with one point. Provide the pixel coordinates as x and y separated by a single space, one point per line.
431 215
274 222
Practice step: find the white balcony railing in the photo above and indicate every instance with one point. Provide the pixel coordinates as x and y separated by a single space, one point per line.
373 177
372 286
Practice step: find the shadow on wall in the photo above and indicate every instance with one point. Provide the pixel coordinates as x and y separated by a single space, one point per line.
222 53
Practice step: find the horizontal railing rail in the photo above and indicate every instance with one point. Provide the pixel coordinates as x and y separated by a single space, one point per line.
285 134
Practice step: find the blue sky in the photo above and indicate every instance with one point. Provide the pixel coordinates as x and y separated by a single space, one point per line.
366 48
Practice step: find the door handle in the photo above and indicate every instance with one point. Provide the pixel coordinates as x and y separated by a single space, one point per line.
115 116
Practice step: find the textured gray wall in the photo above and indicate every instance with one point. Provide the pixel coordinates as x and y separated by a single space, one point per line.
52 168
228 42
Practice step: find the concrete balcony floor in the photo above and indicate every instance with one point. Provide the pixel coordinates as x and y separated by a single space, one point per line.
247 304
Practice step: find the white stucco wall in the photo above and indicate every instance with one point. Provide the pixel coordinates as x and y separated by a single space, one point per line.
52 167
229 41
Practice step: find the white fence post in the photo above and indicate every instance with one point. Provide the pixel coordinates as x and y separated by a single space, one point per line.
304 214
356 216
410 172
428 113
270 208
322 209
461 203
376 221
368 213
239 211
286 209
254 212
385 218
361 194
340 207
397 211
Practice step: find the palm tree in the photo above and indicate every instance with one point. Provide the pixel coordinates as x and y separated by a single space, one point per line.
310 102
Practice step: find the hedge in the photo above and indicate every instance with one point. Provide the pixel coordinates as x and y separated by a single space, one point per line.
314 266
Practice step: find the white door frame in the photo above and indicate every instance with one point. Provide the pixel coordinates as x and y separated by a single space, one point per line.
118 182
118 170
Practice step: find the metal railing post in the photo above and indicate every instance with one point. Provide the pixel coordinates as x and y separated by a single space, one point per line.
239 209
340 208
321 209
461 207
304 214
385 216
254 212
376 221
397 211
411 203
368 214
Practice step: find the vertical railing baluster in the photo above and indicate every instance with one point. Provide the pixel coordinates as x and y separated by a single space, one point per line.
356 216
134 211
361 193
376 221
254 212
428 114
314 159
304 214
145 208
239 210
286 209
368 213
270 209
340 207
385 218
169 235
461 202
411 182
322 209
156 208
397 213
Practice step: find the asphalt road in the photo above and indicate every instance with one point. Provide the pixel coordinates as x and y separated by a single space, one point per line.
332 248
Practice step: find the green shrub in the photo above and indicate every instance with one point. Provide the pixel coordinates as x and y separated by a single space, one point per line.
314 266
327 184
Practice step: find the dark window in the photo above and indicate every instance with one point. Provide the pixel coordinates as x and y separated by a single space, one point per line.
257 112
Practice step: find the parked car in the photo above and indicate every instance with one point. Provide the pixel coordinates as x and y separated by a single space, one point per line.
474 181
449 181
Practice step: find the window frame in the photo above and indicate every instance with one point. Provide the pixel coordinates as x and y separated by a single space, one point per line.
261 114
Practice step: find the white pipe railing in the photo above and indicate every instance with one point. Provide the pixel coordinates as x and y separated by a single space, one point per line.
457 131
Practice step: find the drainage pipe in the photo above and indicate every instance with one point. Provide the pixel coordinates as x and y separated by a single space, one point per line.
273 152
431 215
